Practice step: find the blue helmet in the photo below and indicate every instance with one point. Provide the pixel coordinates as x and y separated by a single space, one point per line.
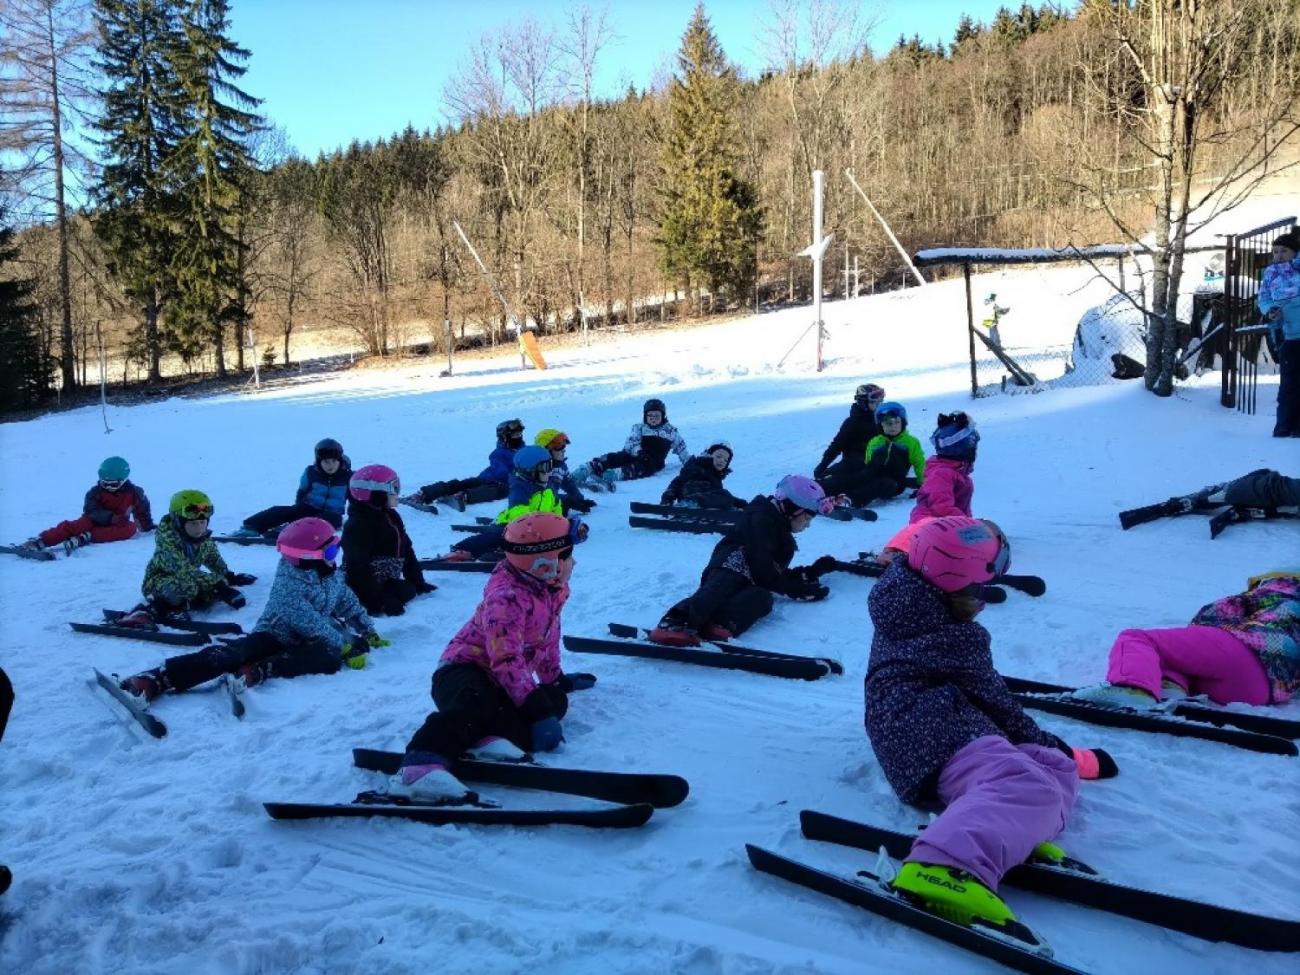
955 436
533 463
885 410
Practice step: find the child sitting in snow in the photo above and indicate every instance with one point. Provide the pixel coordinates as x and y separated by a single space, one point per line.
556 443
312 624
107 512
186 571
947 488
378 556
642 455
887 457
1243 648
699 484
322 493
847 450
944 726
499 687
751 562
491 483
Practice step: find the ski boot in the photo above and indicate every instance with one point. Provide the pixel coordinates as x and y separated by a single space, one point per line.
493 749
145 686
76 542
611 478
141 617
423 778
672 633
457 555
33 544
1171 692
716 631
243 531
952 894
1116 697
457 500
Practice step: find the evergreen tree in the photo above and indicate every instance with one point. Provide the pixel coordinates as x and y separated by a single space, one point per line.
967 29
24 371
210 164
710 221
140 126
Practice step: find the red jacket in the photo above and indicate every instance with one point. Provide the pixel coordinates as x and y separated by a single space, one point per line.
947 489
105 507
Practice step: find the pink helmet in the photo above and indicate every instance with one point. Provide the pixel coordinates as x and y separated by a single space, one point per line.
308 539
803 493
538 545
955 552
374 477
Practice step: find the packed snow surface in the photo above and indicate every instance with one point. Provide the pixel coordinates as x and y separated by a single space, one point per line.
143 856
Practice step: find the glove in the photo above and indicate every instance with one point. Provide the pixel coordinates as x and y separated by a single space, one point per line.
577 530
353 658
583 506
575 682
392 605
240 579
812 592
1094 763
424 588
231 597
822 565
547 735
374 640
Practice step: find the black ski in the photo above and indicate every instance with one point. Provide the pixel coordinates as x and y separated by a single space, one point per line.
1158 722
1082 885
630 788
23 552
726 646
874 570
475 529
133 707
851 513
613 816
1181 505
697 526
175 638
266 539
686 513
424 506
210 627
1029 585
1239 514
771 666
1263 724
446 565
874 897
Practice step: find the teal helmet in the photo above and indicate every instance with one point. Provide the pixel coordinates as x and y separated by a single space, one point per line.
114 469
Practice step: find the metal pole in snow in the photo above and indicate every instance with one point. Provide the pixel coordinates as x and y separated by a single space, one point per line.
888 233
819 183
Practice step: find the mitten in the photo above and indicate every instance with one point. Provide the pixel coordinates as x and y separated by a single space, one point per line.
819 472
375 640
575 682
822 565
355 659
240 579
583 506
1094 763
231 597
392 605
547 734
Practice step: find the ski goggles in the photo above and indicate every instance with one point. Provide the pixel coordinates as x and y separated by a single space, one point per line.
392 487
559 443
196 510
111 484
326 553
512 427
824 507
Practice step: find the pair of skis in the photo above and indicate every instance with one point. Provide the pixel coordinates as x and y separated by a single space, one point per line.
721 654
1068 880
27 552
1199 502
704 521
169 630
867 565
635 796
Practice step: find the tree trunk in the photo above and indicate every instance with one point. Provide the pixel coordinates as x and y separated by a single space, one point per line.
67 363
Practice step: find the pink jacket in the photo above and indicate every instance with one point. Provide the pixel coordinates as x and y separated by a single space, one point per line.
514 633
947 489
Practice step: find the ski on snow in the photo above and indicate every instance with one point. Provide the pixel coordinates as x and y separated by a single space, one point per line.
424 506
685 513
1080 884
267 538
1029 585
794 668
447 565
872 894
1180 505
175 638
873 570
1239 514
376 806
1263 724
139 712
695 526
726 646
629 788
23 552
211 627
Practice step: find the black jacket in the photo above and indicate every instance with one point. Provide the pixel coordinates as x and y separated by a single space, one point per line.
372 533
851 442
699 481
763 537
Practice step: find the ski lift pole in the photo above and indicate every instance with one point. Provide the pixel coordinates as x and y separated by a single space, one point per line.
888 233
496 290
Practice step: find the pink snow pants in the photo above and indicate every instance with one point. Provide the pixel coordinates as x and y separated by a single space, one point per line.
1200 659
1002 800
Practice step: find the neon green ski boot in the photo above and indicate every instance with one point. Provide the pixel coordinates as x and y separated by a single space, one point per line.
952 894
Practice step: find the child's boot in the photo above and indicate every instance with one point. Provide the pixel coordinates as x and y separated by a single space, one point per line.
76 542
493 749
147 685
424 778
1116 697
34 544
952 894
673 633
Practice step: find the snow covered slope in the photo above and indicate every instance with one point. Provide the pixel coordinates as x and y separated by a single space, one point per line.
134 855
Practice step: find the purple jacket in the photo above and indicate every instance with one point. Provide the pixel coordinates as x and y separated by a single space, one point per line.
514 633
931 686
946 490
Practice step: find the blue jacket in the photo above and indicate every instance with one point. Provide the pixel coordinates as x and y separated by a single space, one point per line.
564 484
305 607
326 492
1280 289
931 686
500 463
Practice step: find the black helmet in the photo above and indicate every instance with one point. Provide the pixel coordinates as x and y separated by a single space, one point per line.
508 429
329 449
655 404
868 395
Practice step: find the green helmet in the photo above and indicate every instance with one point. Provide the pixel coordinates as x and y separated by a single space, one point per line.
114 469
190 505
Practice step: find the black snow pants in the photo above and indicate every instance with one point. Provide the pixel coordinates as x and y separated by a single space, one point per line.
1263 489
472 706
282 514
273 658
726 598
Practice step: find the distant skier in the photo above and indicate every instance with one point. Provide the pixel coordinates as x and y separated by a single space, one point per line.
312 624
322 493
849 444
107 512
1279 301
499 687
888 455
944 726
749 564
379 559
642 455
699 483
1243 648
993 317
948 488
490 485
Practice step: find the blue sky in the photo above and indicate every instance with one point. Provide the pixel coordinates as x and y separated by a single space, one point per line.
331 71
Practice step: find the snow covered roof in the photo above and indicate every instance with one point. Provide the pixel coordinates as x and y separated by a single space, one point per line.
1031 255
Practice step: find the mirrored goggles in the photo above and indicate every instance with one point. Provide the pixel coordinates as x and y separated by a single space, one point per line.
111 485
196 510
